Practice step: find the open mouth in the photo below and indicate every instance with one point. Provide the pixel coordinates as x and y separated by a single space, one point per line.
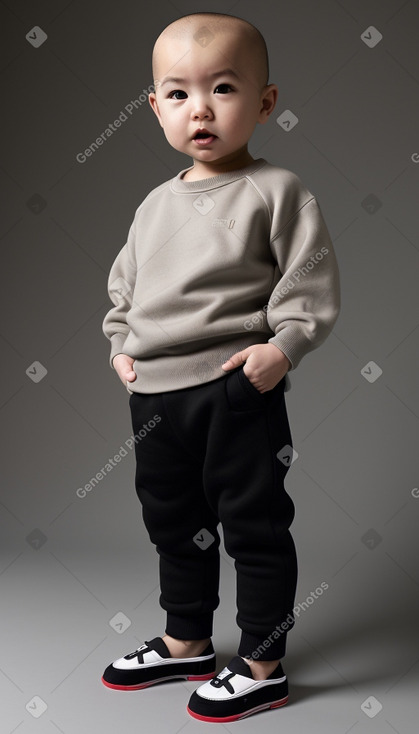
204 138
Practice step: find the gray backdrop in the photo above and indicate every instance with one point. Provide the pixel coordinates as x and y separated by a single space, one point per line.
79 584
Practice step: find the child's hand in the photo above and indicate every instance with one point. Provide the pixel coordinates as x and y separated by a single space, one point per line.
266 364
123 366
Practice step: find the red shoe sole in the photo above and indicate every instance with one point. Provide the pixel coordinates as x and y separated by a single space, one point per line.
116 687
236 717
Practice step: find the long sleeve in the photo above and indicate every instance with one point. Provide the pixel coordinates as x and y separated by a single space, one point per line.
121 284
305 302
195 284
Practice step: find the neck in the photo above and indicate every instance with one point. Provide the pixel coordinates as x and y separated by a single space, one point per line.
202 169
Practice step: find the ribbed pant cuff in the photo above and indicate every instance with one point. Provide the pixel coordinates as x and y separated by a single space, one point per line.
262 648
189 628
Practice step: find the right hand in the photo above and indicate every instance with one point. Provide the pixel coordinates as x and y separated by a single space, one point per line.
123 366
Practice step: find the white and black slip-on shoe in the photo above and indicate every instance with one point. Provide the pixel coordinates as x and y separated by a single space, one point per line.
234 693
152 663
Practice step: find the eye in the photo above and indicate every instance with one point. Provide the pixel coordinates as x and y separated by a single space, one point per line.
223 88
171 95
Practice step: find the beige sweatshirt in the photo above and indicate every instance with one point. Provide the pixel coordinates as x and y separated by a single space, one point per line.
211 267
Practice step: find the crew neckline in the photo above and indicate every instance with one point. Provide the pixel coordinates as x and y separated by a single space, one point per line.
213 182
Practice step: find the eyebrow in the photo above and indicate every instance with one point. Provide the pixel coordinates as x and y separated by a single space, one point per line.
179 80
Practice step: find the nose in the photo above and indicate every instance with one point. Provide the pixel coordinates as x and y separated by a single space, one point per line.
201 110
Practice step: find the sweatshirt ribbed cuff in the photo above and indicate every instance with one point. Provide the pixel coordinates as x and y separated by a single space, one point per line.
293 344
117 344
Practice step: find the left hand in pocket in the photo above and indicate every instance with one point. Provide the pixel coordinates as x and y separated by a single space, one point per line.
265 365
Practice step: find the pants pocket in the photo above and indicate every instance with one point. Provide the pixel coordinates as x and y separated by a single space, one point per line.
242 395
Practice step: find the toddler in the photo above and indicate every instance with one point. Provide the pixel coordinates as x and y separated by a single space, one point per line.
227 279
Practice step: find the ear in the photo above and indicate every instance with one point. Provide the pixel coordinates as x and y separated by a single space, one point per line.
268 101
154 106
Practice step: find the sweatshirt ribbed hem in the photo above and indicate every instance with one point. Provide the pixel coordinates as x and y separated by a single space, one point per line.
181 370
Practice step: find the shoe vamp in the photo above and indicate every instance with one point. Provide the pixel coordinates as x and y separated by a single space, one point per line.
150 658
240 684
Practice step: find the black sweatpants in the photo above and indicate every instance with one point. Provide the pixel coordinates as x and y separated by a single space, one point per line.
208 454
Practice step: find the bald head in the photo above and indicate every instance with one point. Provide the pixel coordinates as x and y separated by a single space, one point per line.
204 28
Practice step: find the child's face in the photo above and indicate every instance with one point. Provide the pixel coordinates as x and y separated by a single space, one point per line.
215 87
